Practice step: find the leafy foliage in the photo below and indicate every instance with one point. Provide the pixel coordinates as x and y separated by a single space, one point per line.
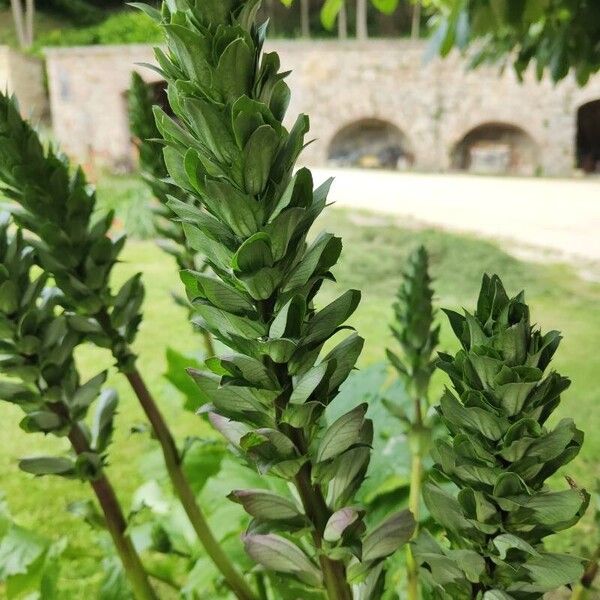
58 207
125 27
38 342
29 563
498 456
141 100
417 337
555 36
229 149
414 329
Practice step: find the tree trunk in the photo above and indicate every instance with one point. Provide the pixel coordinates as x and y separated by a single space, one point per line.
17 12
362 30
305 18
23 20
343 22
415 31
29 21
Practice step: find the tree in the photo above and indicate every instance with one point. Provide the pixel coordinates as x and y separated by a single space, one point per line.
305 18
23 17
556 36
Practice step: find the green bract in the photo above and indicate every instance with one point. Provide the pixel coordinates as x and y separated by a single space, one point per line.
38 342
155 174
414 328
228 148
417 337
79 253
499 454
154 171
58 205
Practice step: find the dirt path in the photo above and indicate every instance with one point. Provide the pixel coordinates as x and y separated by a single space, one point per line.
559 215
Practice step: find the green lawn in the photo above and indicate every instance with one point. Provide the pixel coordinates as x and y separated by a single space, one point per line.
375 250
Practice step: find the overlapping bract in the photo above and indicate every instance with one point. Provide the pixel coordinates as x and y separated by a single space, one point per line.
37 342
58 205
154 172
228 148
499 454
414 328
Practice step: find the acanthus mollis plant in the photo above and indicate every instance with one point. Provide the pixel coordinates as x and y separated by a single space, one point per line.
40 377
228 148
152 165
499 456
417 336
56 204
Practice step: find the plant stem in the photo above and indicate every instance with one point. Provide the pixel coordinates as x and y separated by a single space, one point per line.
579 592
412 571
181 486
117 526
414 502
209 345
334 572
183 490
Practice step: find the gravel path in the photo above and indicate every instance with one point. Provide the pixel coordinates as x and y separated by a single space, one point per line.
560 215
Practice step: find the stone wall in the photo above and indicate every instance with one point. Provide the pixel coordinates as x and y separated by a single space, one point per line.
24 76
434 104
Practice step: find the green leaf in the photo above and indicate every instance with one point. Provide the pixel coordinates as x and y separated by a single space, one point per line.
176 375
327 320
339 522
259 154
103 422
254 254
279 554
47 465
445 509
235 70
265 505
388 536
305 385
343 434
201 461
552 571
385 6
87 393
330 11
19 549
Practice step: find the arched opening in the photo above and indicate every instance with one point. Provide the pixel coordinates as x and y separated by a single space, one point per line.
496 149
588 137
372 144
159 93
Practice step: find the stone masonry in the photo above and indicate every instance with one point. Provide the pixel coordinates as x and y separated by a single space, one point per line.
23 75
434 105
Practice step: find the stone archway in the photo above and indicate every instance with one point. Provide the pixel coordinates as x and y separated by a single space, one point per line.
370 143
496 148
588 137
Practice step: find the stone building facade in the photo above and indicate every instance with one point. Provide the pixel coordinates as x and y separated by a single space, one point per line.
24 76
379 94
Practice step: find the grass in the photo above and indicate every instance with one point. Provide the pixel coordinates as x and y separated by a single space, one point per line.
375 251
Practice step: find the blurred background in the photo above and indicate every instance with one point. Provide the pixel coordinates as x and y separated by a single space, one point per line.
491 168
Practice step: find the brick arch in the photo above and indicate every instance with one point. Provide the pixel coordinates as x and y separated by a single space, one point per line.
496 147
370 142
